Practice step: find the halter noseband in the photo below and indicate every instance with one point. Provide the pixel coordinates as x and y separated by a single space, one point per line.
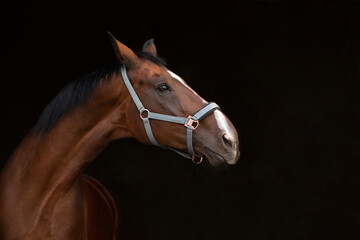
191 122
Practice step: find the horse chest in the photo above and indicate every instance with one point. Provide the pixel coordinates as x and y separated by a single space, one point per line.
87 211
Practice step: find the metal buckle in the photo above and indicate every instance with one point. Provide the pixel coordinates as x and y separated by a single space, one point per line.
147 114
190 122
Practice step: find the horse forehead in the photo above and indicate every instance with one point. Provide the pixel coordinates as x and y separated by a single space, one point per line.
180 80
175 76
151 70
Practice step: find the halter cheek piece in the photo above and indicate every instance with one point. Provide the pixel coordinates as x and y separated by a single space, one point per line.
191 122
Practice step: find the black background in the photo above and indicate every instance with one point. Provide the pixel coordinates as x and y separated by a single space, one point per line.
285 72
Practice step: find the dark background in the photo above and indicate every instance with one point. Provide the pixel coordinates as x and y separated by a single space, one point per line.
285 72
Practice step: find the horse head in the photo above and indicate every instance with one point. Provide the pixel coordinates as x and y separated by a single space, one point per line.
168 113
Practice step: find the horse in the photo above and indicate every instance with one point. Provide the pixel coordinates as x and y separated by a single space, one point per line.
44 193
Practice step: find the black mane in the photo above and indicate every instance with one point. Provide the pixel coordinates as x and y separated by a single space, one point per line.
152 58
77 92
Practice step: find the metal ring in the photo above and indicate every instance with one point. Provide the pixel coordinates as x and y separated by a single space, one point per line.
197 162
147 115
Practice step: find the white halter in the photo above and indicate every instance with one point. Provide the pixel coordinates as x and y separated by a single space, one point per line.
191 122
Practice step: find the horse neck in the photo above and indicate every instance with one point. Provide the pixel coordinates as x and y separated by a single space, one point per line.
57 157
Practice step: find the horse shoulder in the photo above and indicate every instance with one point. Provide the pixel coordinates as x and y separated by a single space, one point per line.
100 210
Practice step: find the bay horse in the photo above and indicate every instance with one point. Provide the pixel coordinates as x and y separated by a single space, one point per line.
43 191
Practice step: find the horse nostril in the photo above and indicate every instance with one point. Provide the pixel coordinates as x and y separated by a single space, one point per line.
227 140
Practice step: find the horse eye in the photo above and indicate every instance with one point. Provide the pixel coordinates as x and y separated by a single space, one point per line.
163 87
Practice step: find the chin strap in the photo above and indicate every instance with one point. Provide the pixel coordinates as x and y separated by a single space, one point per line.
190 122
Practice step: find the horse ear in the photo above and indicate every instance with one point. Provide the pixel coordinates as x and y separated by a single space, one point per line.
149 47
122 52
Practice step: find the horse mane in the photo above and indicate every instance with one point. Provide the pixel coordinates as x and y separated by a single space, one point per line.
152 58
77 92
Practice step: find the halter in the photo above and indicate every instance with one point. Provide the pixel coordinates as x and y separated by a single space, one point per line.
191 122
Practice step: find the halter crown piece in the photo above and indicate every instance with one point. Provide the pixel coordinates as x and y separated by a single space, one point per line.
190 122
